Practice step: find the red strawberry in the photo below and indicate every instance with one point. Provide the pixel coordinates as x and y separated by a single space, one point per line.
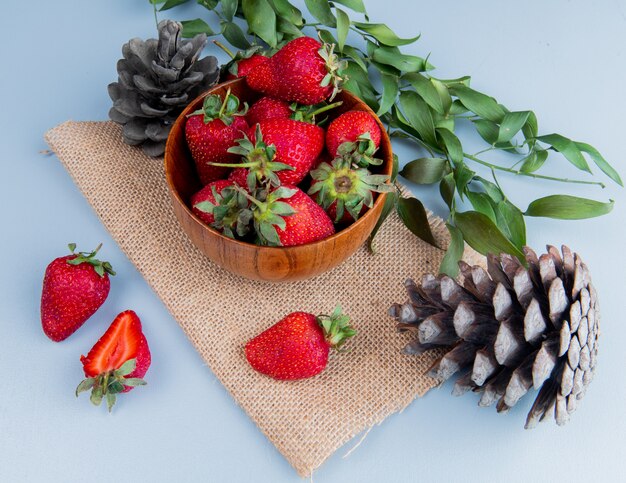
222 207
281 150
117 362
303 71
207 194
297 346
243 66
239 176
268 108
288 217
351 127
211 131
74 287
344 191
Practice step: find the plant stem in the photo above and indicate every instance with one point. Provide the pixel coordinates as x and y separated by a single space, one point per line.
156 20
224 48
322 109
531 175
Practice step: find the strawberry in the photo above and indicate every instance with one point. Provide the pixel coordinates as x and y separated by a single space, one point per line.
117 362
297 346
239 176
222 207
242 62
211 131
354 127
303 71
286 216
244 65
280 150
268 108
74 287
345 191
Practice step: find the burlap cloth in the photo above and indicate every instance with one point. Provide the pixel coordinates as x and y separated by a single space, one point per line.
307 420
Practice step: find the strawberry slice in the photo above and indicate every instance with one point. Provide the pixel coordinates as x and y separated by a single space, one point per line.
117 362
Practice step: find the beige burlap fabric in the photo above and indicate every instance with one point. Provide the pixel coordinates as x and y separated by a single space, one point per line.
306 420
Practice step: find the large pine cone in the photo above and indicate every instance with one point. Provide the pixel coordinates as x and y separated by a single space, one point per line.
157 79
510 328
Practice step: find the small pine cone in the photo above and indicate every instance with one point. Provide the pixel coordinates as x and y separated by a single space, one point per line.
509 329
156 80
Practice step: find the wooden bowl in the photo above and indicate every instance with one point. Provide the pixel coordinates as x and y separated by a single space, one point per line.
274 264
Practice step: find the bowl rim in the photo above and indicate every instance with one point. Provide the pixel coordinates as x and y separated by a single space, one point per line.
343 232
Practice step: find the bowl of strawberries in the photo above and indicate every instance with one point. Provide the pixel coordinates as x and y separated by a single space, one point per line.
279 175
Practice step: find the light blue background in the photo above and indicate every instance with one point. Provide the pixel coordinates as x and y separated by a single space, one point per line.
564 59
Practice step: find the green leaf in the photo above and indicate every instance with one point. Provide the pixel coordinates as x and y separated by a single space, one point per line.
425 170
479 103
229 7
191 28
444 94
320 9
447 189
208 4
510 220
462 175
452 145
382 33
483 235
356 5
492 189
390 93
287 12
390 203
531 128
394 168
450 263
481 203
487 130
235 36
534 161
567 148
600 162
261 20
171 4
134 382
418 115
566 207
343 27
355 55
85 385
426 89
128 367
413 215
393 57
511 125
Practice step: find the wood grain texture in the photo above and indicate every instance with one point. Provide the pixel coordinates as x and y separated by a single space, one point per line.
274 264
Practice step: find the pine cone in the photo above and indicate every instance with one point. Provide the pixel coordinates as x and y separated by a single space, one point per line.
157 79
510 328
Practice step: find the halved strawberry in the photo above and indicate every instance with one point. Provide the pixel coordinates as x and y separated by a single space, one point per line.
117 362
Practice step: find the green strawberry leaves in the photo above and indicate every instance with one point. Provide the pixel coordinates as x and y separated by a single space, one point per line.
89 257
336 326
214 107
108 385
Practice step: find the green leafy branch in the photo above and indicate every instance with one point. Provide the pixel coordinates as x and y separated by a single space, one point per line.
424 110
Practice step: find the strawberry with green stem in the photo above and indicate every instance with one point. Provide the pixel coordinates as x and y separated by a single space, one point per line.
344 190
242 62
303 71
117 362
297 346
211 131
278 151
74 288
358 127
221 206
286 216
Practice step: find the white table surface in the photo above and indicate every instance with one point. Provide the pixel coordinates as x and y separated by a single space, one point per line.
565 59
